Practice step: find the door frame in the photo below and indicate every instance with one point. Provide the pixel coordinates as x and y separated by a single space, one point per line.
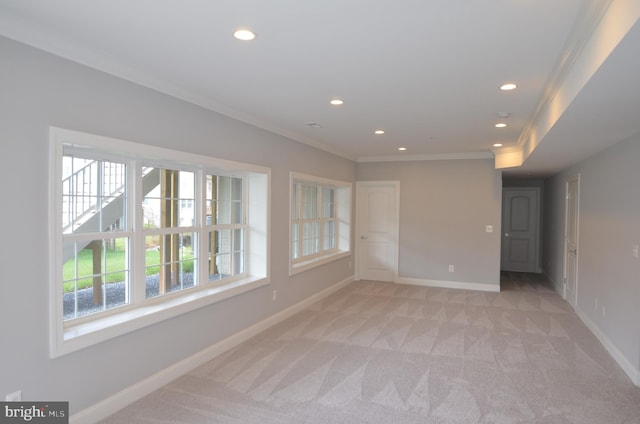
359 229
574 177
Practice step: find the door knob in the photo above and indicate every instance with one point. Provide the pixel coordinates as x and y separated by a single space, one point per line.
506 234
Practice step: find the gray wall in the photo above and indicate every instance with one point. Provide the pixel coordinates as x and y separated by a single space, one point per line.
38 90
609 226
444 208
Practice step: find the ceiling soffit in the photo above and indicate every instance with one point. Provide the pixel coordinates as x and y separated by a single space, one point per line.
597 31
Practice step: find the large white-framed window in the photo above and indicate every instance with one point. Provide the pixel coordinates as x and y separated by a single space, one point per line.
320 221
140 234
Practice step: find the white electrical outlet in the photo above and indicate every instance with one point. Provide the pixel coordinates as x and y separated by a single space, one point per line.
14 397
452 268
489 228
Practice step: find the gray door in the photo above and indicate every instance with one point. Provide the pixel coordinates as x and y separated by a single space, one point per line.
520 223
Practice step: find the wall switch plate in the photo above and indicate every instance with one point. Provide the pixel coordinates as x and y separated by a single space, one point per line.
452 268
489 228
275 294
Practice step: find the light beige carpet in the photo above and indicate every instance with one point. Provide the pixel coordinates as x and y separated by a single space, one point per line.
384 353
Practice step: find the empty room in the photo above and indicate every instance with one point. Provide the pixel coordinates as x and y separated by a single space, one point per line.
340 212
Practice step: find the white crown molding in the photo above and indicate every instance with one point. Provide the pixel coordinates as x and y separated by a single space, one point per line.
439 156
17 30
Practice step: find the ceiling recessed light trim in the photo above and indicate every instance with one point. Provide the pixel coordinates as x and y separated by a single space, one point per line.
497 144
402 149
336 102
500 125
508 86
378 132
244 34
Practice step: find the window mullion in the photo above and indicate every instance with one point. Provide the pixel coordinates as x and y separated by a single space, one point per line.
202 230
137 258
298 188
244 226
334 215
198 230
319 217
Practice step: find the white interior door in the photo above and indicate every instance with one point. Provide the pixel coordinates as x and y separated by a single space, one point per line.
571 238
377 223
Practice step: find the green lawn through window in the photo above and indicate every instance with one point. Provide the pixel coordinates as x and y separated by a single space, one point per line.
114 273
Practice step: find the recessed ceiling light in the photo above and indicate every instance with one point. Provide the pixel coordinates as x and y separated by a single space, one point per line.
244 34
402 149
379 132
501 125
508 86
336 102
497 145
313 124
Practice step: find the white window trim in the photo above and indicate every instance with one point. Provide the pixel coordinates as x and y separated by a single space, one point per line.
117 322
343 214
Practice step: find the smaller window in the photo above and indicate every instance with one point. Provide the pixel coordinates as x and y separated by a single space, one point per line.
320 221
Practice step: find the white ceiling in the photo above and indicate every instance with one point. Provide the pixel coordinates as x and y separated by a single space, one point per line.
427 72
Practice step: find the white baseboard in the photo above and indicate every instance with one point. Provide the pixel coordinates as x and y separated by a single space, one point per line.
449 284
625 364
123 398
627 367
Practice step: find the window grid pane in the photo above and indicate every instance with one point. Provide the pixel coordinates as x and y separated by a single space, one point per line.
310 238
295 245
329 235
93 195
170 203
315 230
294 202
226 253
309 199
328 202
170 263
95 277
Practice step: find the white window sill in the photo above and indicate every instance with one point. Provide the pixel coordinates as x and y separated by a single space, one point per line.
317 261
86 334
